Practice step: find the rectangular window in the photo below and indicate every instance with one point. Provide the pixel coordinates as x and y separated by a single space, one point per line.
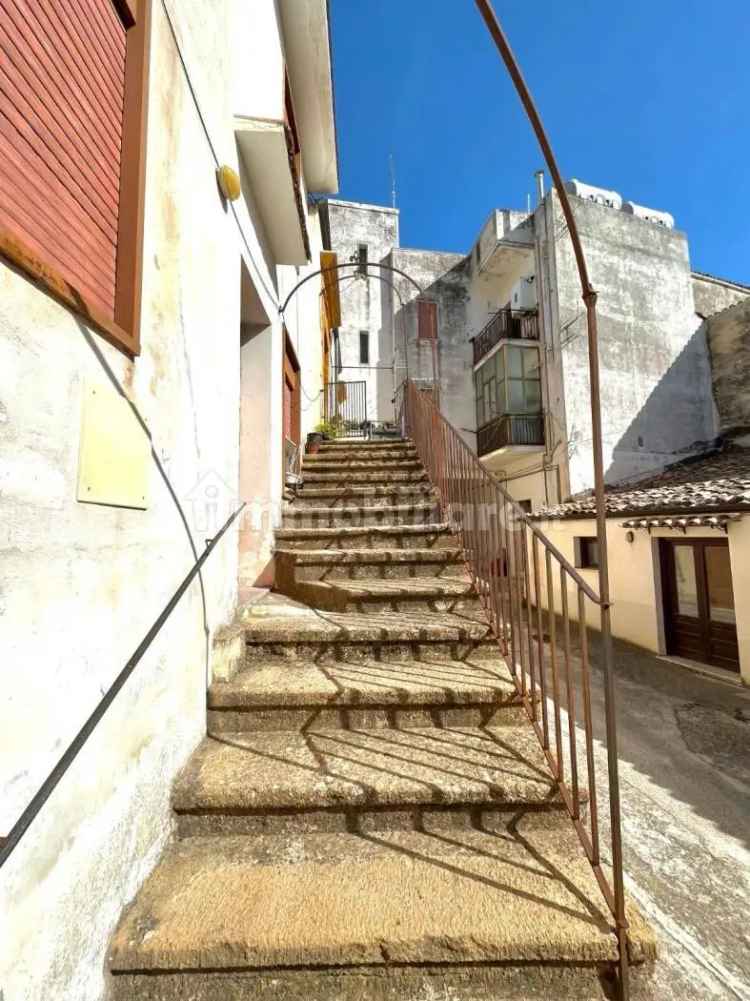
586 552
509 382
362 258
364 347
426 320
72 155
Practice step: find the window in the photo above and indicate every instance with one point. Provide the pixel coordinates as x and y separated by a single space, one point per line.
426 320
508 382
72 156
525 506
586 552
364 347
362 258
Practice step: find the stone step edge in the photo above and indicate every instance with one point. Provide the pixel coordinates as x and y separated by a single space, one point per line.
436 528
360 509
262 634
312 557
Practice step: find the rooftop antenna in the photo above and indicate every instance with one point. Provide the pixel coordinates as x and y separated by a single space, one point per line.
392 167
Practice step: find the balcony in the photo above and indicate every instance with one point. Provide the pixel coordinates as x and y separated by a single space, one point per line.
525 430
506 324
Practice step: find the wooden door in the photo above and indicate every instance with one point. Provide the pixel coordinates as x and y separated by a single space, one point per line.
699 614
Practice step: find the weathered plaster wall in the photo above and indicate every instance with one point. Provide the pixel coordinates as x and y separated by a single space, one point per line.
376 226
81 584
655 374
445 279
710 295
635 580
729 345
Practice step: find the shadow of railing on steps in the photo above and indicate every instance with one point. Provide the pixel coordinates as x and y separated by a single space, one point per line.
534 601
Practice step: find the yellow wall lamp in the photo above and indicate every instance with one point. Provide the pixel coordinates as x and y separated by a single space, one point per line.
229 183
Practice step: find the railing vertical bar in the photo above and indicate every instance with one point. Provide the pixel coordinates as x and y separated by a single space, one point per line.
570 693
509 571
529 622
520 588
552 628
540 641
588 728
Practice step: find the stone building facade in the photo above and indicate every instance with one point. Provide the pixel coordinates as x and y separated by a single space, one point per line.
121 455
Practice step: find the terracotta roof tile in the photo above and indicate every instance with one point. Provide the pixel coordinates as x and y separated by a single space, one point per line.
714 481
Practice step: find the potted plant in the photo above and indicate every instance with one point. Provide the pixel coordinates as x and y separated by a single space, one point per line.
323 430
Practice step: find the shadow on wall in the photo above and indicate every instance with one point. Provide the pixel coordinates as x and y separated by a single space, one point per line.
678 417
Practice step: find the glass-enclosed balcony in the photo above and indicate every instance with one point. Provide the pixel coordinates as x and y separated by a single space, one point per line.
508 394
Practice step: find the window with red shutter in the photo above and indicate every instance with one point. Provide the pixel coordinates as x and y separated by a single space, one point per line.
72 96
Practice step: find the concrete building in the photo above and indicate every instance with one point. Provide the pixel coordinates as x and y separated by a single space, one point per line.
510 360
148 385
678 539
364 234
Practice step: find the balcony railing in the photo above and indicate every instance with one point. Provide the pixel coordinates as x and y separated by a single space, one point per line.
516 323
510 429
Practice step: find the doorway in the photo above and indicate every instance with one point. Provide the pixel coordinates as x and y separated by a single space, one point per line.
699 613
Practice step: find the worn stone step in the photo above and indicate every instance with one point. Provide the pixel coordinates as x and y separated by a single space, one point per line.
333 517
344 477
358 444
428 594
373 537
357 455
509 912
274 695
330 637
365 779
330 463
370 495
294 565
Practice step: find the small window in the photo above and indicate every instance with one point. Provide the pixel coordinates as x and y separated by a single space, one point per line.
362 258
525 506
364 347
587 552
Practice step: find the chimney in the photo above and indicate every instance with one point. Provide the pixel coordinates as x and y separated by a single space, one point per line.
539 175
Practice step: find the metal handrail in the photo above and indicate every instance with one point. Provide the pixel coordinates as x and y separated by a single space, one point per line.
10 842
501 547
589 296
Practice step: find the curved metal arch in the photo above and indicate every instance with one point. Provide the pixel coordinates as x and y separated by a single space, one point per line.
348 264
386 281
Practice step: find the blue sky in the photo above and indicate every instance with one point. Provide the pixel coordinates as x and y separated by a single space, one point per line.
649 97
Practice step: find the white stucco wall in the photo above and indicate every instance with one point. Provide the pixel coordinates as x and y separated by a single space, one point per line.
81 584
376 226
655 374
258 79
635 581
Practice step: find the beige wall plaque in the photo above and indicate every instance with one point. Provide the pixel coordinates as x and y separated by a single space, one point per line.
115 451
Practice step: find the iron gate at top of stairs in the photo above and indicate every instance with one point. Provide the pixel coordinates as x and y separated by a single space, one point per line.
345 407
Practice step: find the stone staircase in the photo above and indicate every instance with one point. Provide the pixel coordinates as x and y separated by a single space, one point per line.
370 815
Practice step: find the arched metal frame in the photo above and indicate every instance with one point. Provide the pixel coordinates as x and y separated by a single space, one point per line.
589 297
367 274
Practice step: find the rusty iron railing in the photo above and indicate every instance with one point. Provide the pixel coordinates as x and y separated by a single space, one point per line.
506 323
537 605
588 294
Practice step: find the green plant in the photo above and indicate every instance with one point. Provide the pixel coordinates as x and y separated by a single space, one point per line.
331 428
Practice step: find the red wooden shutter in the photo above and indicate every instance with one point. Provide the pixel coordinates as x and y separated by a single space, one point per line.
62 88
426 320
